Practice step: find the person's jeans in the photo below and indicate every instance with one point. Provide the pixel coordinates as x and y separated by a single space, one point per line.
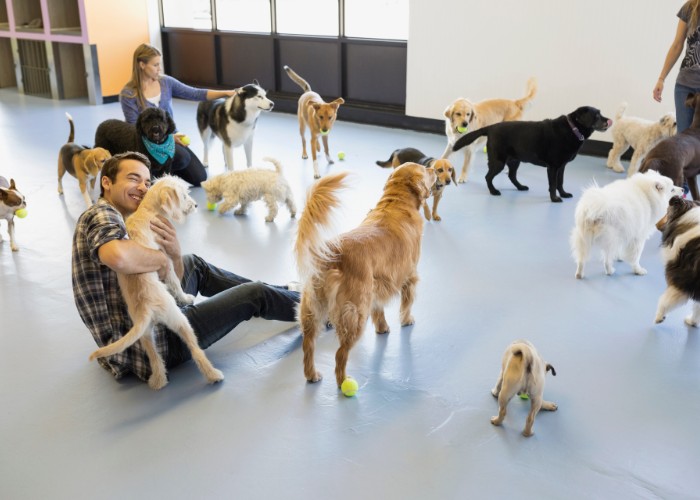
684 114
232 300
187 166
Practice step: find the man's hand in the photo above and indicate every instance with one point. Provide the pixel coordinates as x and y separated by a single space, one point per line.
166 237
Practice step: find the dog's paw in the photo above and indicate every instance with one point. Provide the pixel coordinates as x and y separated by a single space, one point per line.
549 406
157 381
555 199
609 270
617 169
659 318
317 176
579 275
494 392
269 219
496 421
186 299
640 271
14 247
691 321
522 188
383 330
316 377
436 217
527 433
495 192
565 194
462 180
239 211
215 376
408 321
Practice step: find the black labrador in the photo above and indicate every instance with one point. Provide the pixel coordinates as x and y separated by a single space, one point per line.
547 143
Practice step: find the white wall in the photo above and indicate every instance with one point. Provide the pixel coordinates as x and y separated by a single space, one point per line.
583 52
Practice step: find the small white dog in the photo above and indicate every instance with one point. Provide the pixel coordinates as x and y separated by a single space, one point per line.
620 217
146 297
641 134
522 372
245 186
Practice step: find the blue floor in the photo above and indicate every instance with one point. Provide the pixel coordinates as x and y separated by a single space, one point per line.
494 270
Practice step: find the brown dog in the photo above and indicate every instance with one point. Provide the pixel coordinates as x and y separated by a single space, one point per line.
352 276
81 162
464 116
678 157
318 115
443 169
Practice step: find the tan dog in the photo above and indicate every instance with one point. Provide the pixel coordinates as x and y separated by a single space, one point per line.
522 372
443 169
318 115
81 162
149 300
352 276
464 116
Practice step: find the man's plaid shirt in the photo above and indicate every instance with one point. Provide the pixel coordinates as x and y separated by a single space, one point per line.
97 294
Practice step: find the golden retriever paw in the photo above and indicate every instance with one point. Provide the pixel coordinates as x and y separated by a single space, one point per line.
215 376
408 321
316 377
157 381
436 217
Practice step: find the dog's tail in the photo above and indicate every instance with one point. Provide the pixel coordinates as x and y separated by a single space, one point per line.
621 111
550 368
71 136
388 163
297 79
275 162
530 91
312 245
466 140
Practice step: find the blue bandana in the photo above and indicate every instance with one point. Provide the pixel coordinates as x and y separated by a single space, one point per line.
160 152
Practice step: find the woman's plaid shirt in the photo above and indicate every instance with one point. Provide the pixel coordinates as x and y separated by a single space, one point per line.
97 295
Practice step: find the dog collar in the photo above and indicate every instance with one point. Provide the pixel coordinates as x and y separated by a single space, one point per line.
576 131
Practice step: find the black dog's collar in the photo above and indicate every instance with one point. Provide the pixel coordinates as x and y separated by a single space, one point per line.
576 131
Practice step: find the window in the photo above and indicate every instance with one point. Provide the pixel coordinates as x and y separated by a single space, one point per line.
243 15
194 14
308 17
386 19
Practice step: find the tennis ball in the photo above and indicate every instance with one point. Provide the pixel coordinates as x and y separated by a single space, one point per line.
21 213
211 206
341 155
325 132
185 140
349 387
461 130
485 149
524 396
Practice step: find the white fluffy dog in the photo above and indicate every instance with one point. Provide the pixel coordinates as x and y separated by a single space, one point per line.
146 297
245 186
641 134
522 372
620 217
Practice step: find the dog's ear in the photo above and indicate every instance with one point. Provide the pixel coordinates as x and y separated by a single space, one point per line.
171 123
168 200
316 106
12 185
453 173
256 82
336 104
427 179
448 111
550 368
659 186
473 117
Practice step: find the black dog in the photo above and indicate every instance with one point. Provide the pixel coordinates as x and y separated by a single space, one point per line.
548 143
154 126
678 156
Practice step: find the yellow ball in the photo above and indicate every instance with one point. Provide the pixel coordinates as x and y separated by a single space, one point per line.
341 155
349 387
524 395
461 130
185 140
21 213
211 206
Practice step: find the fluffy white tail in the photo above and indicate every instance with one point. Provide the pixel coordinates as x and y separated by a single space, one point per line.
275 162
311 246
621 111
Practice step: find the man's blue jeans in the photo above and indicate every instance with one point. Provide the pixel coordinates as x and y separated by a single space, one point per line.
232 300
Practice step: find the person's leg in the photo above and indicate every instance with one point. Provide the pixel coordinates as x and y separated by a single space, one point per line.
684 114
233 299
187 166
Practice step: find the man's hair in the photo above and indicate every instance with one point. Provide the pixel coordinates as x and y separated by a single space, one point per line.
111 167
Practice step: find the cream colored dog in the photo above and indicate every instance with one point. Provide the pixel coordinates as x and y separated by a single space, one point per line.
318 115
522 372
149 300
641 134
351 277
246 186
464 116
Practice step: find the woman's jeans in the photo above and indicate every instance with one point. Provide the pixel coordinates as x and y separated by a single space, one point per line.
232 300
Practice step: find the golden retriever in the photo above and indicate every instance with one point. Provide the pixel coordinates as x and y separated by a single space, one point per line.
463 116
318 115
151 301
352 276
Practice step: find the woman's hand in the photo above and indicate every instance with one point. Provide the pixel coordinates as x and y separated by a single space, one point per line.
180 139
658 90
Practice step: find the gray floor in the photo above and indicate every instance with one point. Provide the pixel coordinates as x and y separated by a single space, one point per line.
494 270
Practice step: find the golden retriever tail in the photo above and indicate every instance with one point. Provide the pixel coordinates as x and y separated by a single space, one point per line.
530 91
312 246
275 162
71 136
297 79
621 111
